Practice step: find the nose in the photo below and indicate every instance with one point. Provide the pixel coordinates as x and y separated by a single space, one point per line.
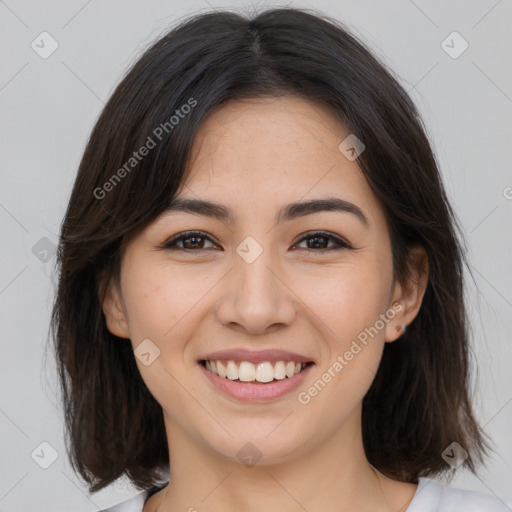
256 298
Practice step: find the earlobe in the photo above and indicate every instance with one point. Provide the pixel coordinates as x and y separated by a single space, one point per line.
115 314
409 295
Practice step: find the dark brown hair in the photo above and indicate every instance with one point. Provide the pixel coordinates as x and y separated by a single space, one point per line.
419 402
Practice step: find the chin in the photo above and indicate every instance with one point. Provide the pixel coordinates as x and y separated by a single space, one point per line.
256 447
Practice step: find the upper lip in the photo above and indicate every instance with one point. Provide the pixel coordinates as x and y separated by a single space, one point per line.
255 356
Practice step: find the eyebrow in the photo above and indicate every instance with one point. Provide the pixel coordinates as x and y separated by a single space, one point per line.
288 212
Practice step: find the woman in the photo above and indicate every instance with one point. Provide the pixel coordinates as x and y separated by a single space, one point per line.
261 287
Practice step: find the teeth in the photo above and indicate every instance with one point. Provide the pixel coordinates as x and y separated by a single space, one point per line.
246 372
280 370
290 369
264 372
221 369
249 372
232 371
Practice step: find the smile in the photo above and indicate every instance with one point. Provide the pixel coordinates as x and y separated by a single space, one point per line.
246 371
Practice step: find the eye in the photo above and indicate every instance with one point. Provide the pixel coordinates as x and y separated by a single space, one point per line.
320 241
191 240
195 240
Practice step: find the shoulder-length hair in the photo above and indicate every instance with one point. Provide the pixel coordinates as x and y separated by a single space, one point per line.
419 402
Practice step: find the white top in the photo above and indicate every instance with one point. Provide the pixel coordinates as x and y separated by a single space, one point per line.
430 496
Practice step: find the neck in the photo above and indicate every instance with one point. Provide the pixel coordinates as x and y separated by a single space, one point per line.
334 476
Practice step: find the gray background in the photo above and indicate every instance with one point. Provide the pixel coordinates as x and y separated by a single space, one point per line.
48 107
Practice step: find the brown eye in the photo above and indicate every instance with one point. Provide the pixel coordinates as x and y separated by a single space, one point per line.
319 241
195 241
191 240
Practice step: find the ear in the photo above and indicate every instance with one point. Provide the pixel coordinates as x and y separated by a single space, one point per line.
409 294
114 310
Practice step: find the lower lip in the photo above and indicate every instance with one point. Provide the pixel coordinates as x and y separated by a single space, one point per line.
255 392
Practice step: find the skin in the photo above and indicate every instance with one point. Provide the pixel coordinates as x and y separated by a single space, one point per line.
254 156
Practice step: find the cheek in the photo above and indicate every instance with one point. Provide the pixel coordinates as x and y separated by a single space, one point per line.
347 298
158 298
166 304
349 304
160 309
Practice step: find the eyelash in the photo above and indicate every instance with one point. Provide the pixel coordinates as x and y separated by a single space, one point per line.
171 243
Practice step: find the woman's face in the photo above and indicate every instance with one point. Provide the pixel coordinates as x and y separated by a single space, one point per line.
258 281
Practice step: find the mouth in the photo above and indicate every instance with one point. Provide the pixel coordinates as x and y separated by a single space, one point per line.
247 372
255 376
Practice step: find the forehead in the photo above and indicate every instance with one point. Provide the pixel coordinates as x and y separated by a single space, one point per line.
274 131
274 150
